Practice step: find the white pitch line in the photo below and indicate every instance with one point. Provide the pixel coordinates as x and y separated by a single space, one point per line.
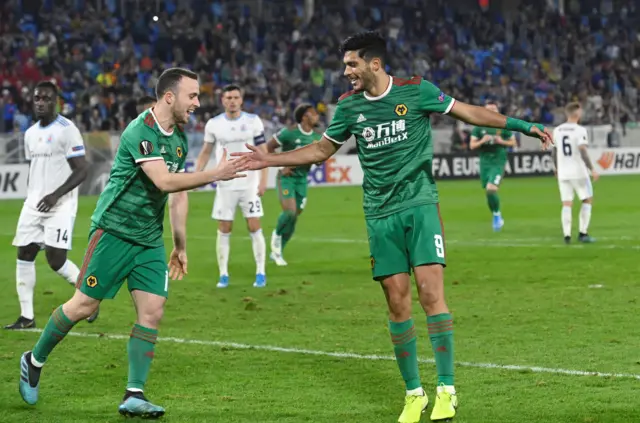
490 243
348 355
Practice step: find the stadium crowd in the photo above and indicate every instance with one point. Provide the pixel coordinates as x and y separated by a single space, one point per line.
104 54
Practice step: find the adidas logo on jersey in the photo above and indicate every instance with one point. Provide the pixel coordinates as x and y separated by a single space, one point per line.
361 118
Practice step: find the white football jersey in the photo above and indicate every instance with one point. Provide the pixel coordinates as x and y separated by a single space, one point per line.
47 149
233 134
567 139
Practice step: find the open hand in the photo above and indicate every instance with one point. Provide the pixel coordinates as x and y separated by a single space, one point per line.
543 135
230 169
47 203
595 175
177 264
256 158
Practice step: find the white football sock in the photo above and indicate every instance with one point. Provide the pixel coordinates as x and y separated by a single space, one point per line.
69 271
222 250
25 284
35 362
418 391
450 389
585 217
566 220
276 243
259 250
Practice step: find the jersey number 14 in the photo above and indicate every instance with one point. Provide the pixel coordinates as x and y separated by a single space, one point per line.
62 235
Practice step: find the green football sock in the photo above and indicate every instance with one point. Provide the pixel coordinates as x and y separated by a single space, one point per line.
494 201
140 349
56 329
288 233
284 220
441 335
403 336
286 225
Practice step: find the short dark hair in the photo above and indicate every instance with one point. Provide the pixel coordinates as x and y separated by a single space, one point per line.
145 100
299 112
49 85
170 78
368 44
231 87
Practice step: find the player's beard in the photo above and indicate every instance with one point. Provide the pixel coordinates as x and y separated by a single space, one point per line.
368 79
181 115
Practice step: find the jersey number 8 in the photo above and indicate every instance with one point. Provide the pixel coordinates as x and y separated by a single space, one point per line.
439 243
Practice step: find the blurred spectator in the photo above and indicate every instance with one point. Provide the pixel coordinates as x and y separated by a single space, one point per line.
105 54
613 138
459 139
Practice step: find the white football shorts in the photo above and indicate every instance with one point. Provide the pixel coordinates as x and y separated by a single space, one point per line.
226 202
581 187
53 230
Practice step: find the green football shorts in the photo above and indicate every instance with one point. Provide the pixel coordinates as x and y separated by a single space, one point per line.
293 187
406 239
110 260
491 175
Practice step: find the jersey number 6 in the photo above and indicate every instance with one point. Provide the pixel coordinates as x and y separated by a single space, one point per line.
566 148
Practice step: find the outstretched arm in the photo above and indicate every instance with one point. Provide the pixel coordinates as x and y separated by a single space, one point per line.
313 153
477 116
169 182
481 116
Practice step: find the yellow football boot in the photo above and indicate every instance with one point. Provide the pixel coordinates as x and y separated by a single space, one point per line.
445 406
414 406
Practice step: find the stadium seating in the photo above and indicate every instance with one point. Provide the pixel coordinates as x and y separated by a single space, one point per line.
104 55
